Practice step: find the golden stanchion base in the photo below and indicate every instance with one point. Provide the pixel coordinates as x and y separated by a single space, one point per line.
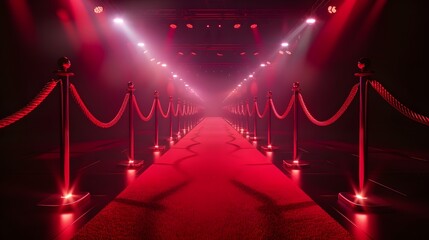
58 200
295 163
362 204
131 163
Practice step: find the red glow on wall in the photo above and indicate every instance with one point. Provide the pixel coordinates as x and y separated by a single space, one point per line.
69 28
171 89
254 88
23 19
330 34
89 44
372 17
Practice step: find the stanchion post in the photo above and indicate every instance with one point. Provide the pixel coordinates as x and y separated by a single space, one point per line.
65 124
269 146
363 147
359 200
67 197
295 89
156 147
247 119
131 161
295 162
255 99
179 135
171 118
131 119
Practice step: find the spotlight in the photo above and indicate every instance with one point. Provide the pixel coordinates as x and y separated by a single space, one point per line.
173 26
118 20
98 9
237 25
285 44
253 26
310 20
332 9
188 25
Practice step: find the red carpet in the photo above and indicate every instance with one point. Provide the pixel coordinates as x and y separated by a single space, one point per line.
212 184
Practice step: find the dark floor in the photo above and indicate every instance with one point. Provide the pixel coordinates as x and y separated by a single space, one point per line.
398 179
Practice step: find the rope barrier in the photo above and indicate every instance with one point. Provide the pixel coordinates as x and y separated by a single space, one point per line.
248 109
47 89
142 117
397 105
164 115
289 107
265 109
91 117
183 110
336 116
176 113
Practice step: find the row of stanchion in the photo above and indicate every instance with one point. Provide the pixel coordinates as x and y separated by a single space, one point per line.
188 115
238 116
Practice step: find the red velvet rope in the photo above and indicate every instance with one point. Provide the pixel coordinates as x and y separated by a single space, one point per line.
91 117
242 112
47 89
248 110
265 109
397 105
183 110
337 115
289 107
175 113
164 115
142 117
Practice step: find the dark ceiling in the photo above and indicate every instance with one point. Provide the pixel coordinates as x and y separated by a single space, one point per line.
215 52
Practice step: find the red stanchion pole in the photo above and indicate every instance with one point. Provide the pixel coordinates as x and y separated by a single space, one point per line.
255 119
363 148
295 162
131 120
359 199
67 197
247 119
295 89
156 147
179 135
65 148
171 118
269 146
131 162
